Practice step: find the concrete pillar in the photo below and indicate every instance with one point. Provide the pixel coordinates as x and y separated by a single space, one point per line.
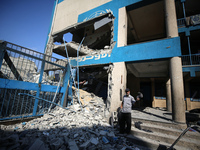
122 27
176 75
178 104
118 86
170 19
168 96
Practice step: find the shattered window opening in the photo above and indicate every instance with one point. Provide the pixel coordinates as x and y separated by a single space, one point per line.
98 34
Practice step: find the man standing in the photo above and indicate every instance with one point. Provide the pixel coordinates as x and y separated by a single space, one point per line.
126 107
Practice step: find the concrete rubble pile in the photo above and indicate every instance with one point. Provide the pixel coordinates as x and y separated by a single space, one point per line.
75 128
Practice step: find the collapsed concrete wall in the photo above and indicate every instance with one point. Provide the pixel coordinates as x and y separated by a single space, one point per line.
95 80
98 35
96 32
107 81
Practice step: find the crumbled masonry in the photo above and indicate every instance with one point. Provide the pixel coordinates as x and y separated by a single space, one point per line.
84 50
66 129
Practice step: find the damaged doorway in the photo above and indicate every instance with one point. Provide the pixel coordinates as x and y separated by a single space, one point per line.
95 80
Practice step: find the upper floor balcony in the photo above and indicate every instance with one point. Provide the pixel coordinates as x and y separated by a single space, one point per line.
189 21
191 60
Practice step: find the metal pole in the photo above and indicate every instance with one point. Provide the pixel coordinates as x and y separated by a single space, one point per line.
78 66
184 11
71 70
189 49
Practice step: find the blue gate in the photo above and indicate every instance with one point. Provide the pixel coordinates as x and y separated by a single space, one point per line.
30 82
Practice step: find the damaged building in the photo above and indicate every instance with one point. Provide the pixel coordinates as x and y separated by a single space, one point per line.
141 45
148 46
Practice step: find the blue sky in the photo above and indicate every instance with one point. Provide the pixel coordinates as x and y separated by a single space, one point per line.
26 22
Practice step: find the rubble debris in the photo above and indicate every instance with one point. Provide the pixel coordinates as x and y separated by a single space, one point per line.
72 145
84 50
38 144
64 129
105 140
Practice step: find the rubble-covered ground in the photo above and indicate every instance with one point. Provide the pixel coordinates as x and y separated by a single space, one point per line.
74 128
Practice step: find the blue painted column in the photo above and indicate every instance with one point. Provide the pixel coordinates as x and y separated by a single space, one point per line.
66 80
183 4
39 87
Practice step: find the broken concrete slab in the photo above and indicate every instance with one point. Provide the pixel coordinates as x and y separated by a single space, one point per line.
56 143
94 141
72 145
38 145
102 132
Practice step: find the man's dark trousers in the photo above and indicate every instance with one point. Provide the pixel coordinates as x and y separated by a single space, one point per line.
125 121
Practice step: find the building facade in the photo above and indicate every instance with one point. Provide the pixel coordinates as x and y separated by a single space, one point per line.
146 45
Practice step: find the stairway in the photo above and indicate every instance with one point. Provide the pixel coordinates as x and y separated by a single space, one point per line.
159 135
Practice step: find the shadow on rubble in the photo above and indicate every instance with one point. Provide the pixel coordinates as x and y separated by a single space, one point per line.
88 137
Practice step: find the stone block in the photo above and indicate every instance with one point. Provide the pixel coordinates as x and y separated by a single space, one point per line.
56 143
85 145
94 141
76 135
72 145
103 132
38 145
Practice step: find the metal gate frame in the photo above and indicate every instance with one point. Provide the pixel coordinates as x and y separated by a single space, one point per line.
12 89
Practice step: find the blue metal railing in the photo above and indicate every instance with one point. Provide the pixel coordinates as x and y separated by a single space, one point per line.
189 21
181 22
22 70
193 59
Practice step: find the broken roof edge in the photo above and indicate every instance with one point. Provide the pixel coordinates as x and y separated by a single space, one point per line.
79 25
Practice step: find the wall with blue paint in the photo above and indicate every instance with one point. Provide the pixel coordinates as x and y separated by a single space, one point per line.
192 70
59 1
163 48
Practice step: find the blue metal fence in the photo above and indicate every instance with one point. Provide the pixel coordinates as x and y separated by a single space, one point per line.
26 71
193 59
181 22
